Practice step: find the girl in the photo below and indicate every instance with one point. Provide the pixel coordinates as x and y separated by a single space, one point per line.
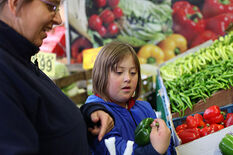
116 84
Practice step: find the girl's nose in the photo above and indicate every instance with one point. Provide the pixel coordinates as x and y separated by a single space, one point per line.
127 77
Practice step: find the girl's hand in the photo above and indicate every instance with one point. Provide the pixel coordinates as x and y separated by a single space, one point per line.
106 123
160 136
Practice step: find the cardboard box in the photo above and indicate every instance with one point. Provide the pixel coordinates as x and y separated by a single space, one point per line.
207 145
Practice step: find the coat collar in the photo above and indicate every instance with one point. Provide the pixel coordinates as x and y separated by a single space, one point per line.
129 105
16 44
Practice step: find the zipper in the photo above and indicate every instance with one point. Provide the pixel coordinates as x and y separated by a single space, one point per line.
133 118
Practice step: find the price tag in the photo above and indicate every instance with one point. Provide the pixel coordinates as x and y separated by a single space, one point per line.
46 62
89 56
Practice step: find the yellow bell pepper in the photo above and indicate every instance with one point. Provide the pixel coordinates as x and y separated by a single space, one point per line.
173 45
151 54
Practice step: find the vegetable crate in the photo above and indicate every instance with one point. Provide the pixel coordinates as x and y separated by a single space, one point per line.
179 120
162 100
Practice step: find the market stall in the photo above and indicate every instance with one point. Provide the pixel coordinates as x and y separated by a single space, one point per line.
185 51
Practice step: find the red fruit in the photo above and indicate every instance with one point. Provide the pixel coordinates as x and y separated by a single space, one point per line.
100 3
94 22
113 3
78 46
117 11
107 16
112 29
102 31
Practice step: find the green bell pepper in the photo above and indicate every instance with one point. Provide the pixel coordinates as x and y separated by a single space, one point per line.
142 132
226 145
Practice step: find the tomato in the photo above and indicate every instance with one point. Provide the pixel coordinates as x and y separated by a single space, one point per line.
102 31
107 16
113 3
94 22
117 11
100 3
112 29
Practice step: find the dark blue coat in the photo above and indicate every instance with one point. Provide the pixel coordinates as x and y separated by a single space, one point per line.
35 116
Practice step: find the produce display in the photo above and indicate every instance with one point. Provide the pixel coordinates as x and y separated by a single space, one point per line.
198 125
153 22
199 75
199 21
132 21
147 21
226 144
61 70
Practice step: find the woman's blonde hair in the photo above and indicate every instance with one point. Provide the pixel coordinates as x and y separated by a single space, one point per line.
107 59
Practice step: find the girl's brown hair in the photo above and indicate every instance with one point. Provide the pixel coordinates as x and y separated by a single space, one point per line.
107 59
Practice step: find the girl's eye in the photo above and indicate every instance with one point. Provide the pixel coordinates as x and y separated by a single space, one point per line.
133 72
119 73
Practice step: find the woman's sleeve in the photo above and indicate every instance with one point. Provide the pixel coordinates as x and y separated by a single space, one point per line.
89 108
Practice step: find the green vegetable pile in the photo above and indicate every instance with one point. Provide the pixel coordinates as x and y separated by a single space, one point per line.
145 21
199 75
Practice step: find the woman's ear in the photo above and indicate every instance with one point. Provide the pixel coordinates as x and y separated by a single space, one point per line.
13 6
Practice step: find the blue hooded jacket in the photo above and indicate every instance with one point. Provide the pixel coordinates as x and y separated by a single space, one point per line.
126 122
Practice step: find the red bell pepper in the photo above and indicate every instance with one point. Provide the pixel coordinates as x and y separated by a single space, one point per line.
203 37
189 135
187 21
213 115
229 120
215 127
199 120
191 122
213 8
181 4
205 131
220 23
208 129
181 127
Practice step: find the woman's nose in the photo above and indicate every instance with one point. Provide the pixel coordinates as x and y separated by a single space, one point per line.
57 18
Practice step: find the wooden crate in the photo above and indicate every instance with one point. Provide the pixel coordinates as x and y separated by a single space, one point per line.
78 76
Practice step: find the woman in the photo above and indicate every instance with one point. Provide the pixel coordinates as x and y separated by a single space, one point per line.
35 116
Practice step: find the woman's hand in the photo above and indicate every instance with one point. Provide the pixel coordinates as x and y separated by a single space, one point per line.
160 136
106 123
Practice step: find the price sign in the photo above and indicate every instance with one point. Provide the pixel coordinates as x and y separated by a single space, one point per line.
46 62
89 56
